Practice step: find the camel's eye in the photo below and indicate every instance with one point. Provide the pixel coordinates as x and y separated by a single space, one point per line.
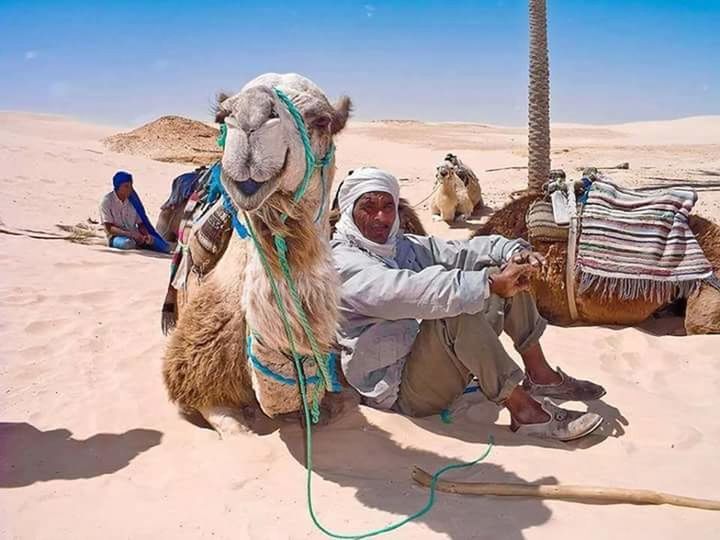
321 122
273 113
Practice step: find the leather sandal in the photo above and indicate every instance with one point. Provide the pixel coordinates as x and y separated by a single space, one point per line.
563 425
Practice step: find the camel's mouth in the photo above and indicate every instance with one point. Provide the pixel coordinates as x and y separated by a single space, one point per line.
249 194
249 187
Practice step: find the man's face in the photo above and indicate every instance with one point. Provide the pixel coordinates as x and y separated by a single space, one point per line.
124 191
374 215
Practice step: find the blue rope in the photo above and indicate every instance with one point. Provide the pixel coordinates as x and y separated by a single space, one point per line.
215 189
334 382
274 375
240 229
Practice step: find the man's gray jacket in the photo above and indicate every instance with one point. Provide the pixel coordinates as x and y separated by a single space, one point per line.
381 307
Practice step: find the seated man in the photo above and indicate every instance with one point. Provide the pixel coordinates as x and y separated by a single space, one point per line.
421 316
124 218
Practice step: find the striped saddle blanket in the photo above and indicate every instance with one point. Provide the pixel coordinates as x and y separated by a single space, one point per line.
639 245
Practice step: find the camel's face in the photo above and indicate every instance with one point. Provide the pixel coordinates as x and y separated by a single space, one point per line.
263 150
444 173
452 159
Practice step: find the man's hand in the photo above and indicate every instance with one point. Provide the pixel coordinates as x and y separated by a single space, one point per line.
527 256
138 237
512 279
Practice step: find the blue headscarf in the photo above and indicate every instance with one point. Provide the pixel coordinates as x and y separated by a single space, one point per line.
122 177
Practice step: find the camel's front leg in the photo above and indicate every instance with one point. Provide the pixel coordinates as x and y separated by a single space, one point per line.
228 421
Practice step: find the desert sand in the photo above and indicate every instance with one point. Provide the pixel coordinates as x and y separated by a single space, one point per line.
90 447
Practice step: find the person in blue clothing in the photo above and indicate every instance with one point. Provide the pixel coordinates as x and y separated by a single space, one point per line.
125 220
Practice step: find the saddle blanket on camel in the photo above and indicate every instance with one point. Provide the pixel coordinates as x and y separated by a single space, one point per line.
639 245
205 220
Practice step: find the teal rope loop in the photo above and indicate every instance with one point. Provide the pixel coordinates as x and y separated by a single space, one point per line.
311 162
304 137
268 372
420 513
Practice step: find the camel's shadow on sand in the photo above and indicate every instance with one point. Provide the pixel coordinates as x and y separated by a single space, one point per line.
29 455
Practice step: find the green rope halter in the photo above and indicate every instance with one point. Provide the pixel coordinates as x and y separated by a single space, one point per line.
312 413
311 162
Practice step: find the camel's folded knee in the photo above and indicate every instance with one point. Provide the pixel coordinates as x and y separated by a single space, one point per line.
228 421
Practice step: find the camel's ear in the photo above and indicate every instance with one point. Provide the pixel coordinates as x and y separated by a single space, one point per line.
342 113
220 113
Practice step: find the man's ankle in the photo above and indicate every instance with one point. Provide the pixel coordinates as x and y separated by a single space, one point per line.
524 409
544 376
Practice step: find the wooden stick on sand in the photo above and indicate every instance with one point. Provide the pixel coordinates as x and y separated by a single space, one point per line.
586 494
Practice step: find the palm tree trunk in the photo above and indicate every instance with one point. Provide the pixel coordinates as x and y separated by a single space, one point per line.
538 99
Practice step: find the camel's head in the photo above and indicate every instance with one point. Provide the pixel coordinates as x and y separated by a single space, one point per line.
452 159
264 153
444 173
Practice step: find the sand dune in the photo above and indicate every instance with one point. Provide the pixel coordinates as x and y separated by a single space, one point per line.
172 139
91 448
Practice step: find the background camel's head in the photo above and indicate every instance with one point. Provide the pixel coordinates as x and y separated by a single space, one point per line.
263 150
452 159
444 173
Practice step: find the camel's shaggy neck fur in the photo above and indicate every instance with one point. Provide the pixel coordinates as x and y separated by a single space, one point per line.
310 261
309 253
448 189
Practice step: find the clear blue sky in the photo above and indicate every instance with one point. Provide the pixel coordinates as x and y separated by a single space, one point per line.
128 62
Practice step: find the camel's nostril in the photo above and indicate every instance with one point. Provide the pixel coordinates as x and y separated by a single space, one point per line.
249 187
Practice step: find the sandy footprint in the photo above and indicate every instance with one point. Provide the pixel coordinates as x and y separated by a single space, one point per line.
44 326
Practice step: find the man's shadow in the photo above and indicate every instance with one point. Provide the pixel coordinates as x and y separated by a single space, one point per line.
29 455
351 452
475 410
